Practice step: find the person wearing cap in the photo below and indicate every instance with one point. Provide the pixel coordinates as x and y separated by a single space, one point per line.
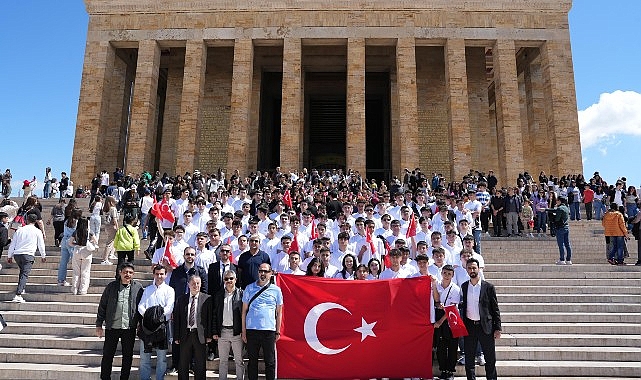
561 216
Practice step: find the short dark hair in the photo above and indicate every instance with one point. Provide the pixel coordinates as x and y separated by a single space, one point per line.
473 260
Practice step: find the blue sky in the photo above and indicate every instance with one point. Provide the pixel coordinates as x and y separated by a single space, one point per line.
43 47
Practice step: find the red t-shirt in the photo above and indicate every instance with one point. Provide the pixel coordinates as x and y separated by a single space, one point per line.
588 195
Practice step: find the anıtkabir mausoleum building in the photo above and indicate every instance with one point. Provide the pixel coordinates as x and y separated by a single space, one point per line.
376 86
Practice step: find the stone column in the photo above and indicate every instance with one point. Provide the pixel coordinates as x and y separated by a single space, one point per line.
407 104
458 109
291 123
142 137
355 137
560 107
508 112
539 137
192 95
93 115
241 88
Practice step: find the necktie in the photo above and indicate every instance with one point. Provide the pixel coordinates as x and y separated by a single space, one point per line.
223 269
192 312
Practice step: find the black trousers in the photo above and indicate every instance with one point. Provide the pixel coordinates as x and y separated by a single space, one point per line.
485 219
191 348
127 338
475 336
446 349
265 339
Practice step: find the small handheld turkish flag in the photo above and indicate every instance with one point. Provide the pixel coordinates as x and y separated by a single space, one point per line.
162 211
294 246
411 229
287 199
169 257
329 327
455 321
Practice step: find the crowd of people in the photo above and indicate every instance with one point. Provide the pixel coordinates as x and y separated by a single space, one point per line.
222 236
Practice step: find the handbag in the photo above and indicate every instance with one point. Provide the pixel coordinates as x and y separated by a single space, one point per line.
19 220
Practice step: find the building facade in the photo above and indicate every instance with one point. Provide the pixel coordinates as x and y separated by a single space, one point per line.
376 86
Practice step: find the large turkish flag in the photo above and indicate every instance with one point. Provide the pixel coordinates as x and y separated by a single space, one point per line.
334 329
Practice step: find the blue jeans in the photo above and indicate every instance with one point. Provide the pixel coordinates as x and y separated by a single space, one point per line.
617 247
66 253
541 221
145 364
575 211
563 240
46 190
599 209
631 210
143 222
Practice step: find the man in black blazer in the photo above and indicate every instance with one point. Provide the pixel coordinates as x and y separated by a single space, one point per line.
179 281
215 283
193 325
217 269
480 312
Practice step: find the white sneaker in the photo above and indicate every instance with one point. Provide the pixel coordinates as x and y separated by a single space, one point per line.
106 262
18 299
568 262
0 266
560 262
480 360
113 257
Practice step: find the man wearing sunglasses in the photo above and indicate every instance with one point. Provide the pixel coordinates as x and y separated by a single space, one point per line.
228 304
261 321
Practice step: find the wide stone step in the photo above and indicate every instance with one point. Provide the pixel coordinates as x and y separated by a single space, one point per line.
569 317
51 307
535 277
612 354
546 289
565 369
581 268
564 283
49 317
554 307
68 330
14 371
563 298
572 328
569 340
51 341
55 288
52 297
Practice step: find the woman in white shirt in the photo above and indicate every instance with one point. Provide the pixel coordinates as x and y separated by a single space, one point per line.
349 268
95 219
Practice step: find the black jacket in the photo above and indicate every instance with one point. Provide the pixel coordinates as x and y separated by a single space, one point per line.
237 308
107 306
203 321
214 281
4 237
488 307
153 329
180 276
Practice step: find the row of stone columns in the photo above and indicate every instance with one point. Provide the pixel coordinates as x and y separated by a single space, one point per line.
558 89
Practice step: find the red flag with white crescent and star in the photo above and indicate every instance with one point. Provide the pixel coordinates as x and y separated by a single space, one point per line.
294 246
169 257
455 321
287 199
162 211
329 327
411 229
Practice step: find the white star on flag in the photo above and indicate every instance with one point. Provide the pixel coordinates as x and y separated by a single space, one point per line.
366 329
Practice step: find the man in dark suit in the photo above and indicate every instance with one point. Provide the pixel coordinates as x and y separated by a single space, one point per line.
480 311
193 329
217 269
179 281
215 283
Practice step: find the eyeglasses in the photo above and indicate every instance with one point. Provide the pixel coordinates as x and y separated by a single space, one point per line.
225 250
190 254
254 240
264 271
230 278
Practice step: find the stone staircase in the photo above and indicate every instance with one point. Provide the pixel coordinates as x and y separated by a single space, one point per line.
582 320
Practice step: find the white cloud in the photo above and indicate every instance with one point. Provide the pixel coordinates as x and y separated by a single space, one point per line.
616 114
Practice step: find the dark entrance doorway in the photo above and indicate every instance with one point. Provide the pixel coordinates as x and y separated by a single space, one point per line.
377 121
325 120
269 122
